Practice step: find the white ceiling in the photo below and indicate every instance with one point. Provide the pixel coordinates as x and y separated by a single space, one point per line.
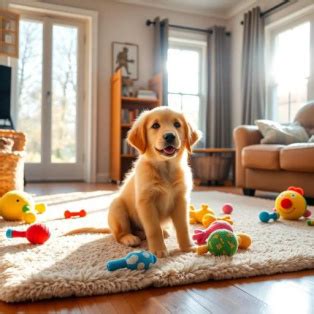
213 8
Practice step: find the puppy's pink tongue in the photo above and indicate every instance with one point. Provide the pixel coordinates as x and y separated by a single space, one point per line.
169 150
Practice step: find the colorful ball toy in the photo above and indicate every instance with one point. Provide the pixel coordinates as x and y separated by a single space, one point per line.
35 234
137 260
227 209
310 222
222 242
243 239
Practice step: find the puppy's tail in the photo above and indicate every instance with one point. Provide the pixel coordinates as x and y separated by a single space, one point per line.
88 230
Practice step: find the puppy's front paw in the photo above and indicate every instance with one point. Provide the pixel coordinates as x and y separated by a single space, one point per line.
130 240
160 253
190 248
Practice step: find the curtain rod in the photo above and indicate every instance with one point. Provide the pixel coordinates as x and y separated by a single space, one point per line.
272 9
208 31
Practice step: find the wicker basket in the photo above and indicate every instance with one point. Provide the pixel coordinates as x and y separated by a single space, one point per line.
211 168
12 164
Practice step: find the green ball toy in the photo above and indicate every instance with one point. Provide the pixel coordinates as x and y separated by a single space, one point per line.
222 242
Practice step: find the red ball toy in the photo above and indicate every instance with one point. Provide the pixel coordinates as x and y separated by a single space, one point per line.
227 209
35 234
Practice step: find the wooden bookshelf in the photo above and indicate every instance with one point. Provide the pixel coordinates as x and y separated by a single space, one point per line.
126 107
9 34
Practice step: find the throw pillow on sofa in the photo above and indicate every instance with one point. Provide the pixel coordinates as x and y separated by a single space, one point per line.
276 133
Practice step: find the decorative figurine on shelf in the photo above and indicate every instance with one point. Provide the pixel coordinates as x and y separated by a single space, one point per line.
127 87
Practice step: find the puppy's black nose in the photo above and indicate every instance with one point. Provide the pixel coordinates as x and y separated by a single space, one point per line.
169 137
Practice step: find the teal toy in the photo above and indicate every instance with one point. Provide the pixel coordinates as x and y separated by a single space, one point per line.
222 242
266 216
137 260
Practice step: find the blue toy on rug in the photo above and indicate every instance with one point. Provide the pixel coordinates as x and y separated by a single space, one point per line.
137 260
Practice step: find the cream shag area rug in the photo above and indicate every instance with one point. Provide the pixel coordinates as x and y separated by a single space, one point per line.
75 265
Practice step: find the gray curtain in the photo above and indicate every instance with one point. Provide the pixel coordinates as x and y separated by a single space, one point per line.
218 115
253 71
161 30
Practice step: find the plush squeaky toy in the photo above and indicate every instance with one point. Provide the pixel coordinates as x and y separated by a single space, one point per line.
206 216
225 242
35 234
291 204
18 205
137 260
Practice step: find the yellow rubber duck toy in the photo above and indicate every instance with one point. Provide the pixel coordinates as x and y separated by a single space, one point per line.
17 205
291 204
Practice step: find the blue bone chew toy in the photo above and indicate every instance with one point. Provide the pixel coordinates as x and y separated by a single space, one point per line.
137 260
266 216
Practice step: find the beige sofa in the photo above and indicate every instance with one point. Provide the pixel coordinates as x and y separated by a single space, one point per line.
272 167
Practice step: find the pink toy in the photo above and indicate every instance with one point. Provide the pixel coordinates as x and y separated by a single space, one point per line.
68 214
200 236
227 209
35 234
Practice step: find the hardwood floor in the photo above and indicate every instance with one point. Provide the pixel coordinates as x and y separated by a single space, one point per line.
284 293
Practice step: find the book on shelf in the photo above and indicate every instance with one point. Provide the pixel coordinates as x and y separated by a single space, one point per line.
128 116
146 94
127 149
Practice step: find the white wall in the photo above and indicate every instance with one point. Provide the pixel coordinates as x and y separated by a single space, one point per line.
236 46
126 23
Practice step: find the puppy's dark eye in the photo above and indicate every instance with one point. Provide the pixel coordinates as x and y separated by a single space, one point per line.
156 125
177 124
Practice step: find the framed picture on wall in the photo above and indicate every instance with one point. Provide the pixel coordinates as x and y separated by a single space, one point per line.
125 57
9 33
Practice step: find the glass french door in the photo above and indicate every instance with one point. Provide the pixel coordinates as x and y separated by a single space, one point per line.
49 98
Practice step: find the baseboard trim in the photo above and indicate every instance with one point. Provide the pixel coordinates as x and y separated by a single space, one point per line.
102 177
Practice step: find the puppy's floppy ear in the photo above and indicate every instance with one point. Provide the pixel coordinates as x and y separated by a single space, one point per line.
192 135
137 135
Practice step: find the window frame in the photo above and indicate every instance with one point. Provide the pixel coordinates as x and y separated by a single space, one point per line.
193 42
271 32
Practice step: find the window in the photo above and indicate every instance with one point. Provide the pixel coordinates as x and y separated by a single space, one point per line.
290 70
186 77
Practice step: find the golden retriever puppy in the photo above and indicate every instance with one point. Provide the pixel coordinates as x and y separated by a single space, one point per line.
158 187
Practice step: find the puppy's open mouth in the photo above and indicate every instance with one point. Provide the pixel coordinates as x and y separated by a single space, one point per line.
168 150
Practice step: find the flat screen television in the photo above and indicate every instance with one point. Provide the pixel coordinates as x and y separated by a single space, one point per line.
5 92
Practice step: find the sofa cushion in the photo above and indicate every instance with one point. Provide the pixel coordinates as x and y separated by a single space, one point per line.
262 156
275 133
298 157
